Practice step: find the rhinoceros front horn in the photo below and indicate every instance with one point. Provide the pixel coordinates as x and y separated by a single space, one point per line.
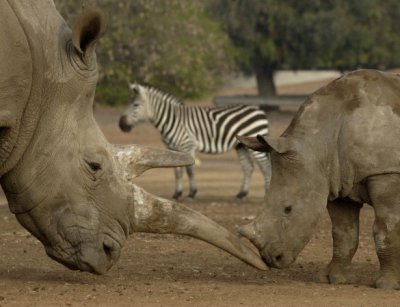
136 159
155 215
148 213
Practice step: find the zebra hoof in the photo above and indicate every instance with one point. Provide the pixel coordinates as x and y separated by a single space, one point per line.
241 195
191 195
177 195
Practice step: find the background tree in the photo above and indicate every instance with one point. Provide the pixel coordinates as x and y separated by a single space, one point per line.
315 34
173 45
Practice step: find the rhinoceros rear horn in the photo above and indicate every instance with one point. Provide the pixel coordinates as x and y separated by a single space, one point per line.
136 159
265 143
88 28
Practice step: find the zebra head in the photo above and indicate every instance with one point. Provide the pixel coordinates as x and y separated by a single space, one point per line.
137 110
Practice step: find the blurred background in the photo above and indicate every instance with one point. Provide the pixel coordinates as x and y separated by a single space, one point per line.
193 48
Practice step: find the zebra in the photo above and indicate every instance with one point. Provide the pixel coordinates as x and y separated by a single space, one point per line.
189 129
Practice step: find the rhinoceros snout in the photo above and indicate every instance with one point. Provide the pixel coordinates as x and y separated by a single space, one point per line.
276 258
94 259
99 260
111 250
274 254
276 261
124 125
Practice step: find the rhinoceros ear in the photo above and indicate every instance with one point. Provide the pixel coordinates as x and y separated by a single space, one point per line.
136 159
265 143
88 28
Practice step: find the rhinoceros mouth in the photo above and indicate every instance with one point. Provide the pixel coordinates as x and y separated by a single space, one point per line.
278 261
53 254
96 259
267 259
77 264
277 256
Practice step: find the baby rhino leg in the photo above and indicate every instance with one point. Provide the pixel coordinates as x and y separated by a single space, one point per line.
384 194
344 215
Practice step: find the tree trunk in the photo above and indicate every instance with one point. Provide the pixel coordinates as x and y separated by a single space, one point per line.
265 81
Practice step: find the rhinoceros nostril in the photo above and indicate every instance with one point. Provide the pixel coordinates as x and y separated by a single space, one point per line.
279 258
108 250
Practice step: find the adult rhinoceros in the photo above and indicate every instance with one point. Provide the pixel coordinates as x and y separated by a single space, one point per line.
64 182
343 147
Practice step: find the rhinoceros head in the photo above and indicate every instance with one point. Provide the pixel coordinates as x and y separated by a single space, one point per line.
65 183
293 202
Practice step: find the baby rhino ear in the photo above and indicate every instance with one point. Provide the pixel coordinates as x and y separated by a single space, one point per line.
88 28
265 143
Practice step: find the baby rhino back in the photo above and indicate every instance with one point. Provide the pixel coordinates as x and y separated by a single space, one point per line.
369 138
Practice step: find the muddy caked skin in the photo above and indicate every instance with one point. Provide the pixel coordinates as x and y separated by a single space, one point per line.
64 182
342 148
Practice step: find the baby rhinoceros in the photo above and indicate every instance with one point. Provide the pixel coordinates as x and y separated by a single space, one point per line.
342 148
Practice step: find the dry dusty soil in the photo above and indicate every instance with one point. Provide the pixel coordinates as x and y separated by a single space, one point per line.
168 270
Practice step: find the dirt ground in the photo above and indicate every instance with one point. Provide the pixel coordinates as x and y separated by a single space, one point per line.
170 270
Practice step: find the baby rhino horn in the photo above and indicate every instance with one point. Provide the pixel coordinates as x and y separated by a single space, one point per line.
136 159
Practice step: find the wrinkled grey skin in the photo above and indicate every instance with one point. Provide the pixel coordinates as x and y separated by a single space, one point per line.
64 182
343 147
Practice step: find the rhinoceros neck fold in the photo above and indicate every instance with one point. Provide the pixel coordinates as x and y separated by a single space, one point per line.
15 85
36 27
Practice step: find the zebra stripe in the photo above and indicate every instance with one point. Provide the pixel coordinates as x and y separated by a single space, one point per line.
210 130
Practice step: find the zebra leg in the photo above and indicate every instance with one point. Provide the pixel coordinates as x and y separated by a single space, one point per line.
264 164
178 183
192 182
247 167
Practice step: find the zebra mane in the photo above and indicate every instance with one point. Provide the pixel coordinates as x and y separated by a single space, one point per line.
153 91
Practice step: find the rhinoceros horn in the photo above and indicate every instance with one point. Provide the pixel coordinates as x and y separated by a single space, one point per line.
136 159
249 231
151 214
155 215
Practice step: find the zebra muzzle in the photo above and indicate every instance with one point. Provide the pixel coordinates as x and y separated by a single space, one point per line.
124 125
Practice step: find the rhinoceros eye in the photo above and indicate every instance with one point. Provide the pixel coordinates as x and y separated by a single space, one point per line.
94 166
288 210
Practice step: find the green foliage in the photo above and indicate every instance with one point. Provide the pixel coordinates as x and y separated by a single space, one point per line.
113 95
173 45
311 34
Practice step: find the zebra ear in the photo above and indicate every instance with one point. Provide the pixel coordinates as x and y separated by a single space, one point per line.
134 87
